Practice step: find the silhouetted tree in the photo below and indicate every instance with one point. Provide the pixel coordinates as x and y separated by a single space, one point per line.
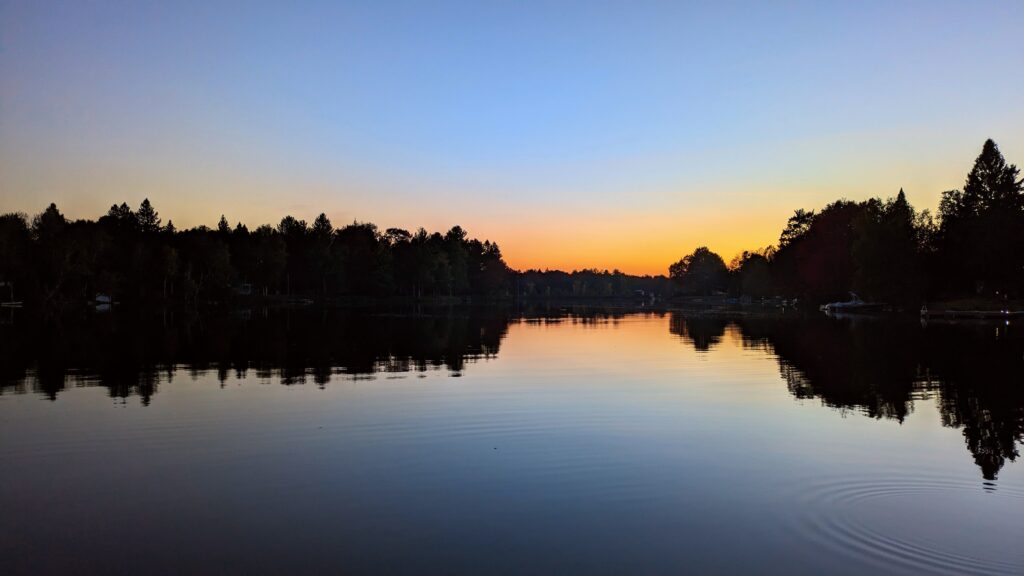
701 272
797 225
148 219
270 259
815 257
980 241
16 266
455 250
751 273
324 261
887 251
597 284
884 250
130 257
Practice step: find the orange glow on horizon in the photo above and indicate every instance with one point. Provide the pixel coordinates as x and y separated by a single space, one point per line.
636 244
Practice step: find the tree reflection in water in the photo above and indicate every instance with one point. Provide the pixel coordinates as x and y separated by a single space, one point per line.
132 355
878 367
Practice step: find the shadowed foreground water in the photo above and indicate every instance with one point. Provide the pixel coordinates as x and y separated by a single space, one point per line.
487 440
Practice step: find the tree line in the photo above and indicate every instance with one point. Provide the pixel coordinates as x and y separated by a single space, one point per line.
129 255
589 283
885 250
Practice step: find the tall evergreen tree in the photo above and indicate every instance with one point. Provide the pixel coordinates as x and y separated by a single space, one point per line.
887 264
980 241
149 220
322 227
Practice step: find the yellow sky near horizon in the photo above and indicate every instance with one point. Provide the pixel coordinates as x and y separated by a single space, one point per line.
638 229
616 136
637 240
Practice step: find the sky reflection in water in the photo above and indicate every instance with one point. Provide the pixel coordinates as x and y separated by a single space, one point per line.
593 441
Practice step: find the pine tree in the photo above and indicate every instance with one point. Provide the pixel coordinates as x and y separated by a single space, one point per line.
322 226
980 240
47 225
991 184
149 220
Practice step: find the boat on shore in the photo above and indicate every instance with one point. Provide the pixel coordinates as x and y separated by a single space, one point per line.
853 305
972 314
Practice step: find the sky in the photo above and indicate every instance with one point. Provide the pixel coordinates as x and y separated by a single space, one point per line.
575 134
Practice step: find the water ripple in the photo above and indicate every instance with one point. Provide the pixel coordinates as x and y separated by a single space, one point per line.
836 516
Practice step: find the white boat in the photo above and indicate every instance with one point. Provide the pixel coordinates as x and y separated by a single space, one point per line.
855 304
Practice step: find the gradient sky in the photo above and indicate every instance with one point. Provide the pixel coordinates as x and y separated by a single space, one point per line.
576 134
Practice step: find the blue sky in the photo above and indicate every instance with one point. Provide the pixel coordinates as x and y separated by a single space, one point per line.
608 134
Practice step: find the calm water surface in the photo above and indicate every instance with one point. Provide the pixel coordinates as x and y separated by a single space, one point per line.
494 441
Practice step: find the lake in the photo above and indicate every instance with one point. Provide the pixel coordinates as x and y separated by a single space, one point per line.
545 440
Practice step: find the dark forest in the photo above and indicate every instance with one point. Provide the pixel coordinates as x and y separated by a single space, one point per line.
885 250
